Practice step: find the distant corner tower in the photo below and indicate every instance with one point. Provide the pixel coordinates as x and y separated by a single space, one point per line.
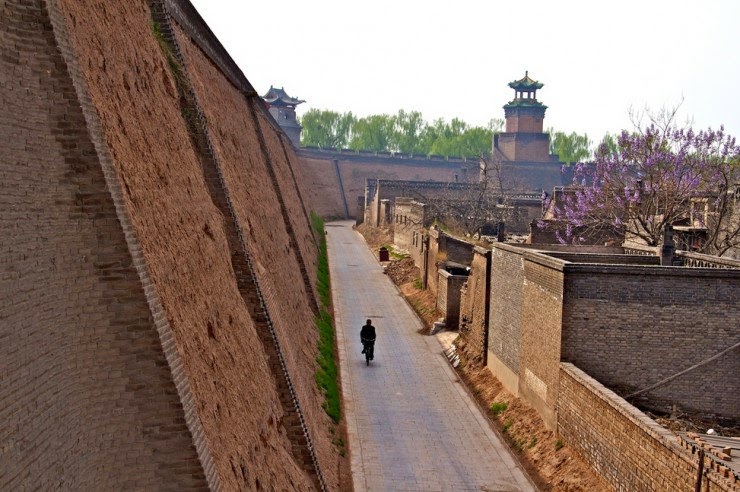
282 108
524 139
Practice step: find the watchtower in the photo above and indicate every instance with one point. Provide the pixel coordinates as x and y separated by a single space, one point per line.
282 108
524 139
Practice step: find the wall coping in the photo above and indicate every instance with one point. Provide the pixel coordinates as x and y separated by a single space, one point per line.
652 270
446 274
543 258
622 406
481 250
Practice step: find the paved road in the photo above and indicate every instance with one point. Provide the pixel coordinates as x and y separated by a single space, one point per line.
411 424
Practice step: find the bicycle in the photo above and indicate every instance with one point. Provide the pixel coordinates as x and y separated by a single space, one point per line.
369 350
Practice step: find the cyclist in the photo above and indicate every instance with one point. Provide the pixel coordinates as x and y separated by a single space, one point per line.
367 337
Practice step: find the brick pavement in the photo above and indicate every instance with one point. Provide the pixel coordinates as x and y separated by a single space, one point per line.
411 424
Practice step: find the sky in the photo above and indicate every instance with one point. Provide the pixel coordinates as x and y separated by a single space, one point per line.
600 61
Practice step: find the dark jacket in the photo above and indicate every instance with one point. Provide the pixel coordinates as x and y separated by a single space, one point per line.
367 333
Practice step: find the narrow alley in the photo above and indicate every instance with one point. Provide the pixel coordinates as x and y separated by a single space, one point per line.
411 424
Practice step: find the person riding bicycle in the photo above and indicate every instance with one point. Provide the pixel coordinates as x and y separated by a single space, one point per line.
367 335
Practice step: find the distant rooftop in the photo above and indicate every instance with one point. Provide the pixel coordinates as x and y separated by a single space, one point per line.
526 84
278 97
525 93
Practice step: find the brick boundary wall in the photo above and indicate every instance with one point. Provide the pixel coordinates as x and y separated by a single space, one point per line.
622 444
161 322
669 318
474 304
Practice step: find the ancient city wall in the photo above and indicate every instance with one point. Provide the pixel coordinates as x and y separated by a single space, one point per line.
139 363
653 322
323 194
338 177
268 205
627 448
87 400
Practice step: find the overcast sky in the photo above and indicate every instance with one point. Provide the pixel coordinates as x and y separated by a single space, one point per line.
597 59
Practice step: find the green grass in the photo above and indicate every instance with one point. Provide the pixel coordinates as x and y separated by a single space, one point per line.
326 376
498 407
559 444
507 425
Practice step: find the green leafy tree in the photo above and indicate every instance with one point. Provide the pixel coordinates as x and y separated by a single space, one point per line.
571 148
373 132
408 134
323 128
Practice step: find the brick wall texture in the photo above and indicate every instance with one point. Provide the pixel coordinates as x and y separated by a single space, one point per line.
448 297
506 305
87 400
323 193
627 448
129 357
473 305
633 326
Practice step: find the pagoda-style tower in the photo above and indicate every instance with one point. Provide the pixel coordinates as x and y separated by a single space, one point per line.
524 140
282 108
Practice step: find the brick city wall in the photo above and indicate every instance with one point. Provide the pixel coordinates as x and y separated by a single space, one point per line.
268 205
87 399
130 345
622 444
325 187
473 305
653 322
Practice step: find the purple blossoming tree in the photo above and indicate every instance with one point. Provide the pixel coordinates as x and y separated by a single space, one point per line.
659 175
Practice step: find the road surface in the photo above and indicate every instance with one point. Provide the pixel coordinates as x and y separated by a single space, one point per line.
411 425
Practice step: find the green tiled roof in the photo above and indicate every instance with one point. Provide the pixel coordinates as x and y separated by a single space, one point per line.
525 84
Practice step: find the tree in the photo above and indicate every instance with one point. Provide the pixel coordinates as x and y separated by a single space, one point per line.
405 132
372 133
408 133
659 176
323 128
570 148
609 142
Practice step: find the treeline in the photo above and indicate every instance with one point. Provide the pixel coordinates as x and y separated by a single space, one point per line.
405 132
410 133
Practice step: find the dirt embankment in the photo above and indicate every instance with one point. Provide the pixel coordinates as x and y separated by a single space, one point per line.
552 465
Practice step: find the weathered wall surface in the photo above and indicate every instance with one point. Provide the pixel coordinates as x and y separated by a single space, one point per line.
540 331
132 359
276 250
621 443
448 297
670 316
473 305
507 284
323 191
87 400
323 194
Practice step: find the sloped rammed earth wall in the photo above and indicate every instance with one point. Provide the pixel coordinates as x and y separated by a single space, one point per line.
129 358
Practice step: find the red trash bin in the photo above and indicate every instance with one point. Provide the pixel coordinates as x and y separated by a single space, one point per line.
384 255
